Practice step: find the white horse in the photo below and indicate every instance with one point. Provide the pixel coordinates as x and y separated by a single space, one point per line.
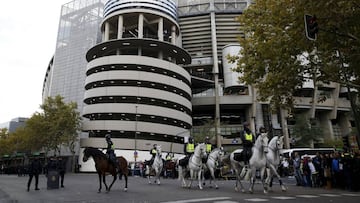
273 160
213 158
258 160
157 166
237 163
194 166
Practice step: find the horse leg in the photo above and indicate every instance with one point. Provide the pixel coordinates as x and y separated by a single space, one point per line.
262 174
191 178
212 172
157 176
148 175
252 179
126 182
199 179
104 180
100 185
273 169
114 178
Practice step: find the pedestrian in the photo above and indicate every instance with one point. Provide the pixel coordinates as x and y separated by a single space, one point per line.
248 140
61 168
298 175
34 171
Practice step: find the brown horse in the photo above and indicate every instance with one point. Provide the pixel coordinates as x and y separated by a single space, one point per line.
103 166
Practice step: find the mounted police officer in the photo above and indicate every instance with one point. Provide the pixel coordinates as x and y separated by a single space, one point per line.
189 149
208 148
248 140
153 152
110 152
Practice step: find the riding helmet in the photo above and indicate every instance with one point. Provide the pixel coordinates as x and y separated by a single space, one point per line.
262 129
107 136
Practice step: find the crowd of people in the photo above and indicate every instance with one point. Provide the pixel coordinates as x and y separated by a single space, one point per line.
331 170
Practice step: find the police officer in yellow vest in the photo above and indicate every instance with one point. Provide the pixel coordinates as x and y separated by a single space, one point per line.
208 148
153 154
248 140
189 149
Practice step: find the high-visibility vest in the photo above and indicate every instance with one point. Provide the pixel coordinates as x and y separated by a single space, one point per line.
208 147
248 137
190 148
153 151
168 157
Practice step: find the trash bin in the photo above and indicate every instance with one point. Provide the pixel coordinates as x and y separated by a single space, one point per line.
53 180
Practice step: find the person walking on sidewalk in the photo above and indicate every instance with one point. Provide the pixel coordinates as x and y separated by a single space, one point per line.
34 171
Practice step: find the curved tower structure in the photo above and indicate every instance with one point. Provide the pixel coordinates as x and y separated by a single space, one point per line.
135 87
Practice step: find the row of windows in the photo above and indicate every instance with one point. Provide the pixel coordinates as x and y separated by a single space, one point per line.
139 117
144 68
137 135
138 100
138 83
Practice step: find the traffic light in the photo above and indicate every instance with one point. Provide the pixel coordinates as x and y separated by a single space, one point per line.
311 26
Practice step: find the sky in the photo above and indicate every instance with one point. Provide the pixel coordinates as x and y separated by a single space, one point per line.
28 33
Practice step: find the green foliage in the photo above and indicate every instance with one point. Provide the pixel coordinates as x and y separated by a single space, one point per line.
57 125
305 131
335 143
274 41
207 129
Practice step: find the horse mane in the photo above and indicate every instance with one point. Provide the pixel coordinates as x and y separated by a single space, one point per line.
95 152
272 142
257 142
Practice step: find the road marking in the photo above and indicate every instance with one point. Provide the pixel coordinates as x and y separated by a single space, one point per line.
330 195
256 200
307 196
199 200
351 194
283 197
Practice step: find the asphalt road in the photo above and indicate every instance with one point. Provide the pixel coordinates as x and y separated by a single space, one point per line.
84 187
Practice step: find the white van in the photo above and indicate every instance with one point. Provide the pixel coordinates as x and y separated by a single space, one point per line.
310 152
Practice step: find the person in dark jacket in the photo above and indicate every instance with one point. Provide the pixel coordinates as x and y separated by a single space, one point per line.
34 171
61 168
248 140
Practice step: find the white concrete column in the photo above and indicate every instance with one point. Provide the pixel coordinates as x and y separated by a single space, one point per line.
120 27
141 26
107 31
161 29
173 35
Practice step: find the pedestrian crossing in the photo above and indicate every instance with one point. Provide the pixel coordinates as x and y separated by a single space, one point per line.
256 199
302 196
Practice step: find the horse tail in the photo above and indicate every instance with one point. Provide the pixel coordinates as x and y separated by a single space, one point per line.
180 173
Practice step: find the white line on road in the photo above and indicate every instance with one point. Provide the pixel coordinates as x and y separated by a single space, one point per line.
199 200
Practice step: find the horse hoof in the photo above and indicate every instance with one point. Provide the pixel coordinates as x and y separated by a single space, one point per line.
243 191
216 187
283 189
125 189
236 189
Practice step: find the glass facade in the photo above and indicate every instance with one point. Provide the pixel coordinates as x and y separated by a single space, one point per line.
78 31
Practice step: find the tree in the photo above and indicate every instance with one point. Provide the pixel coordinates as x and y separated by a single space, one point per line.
276 57
58 125
304 133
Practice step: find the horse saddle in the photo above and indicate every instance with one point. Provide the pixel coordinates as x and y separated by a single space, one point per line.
184 162
238 157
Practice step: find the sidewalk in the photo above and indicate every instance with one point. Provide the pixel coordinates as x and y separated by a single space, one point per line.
13 189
